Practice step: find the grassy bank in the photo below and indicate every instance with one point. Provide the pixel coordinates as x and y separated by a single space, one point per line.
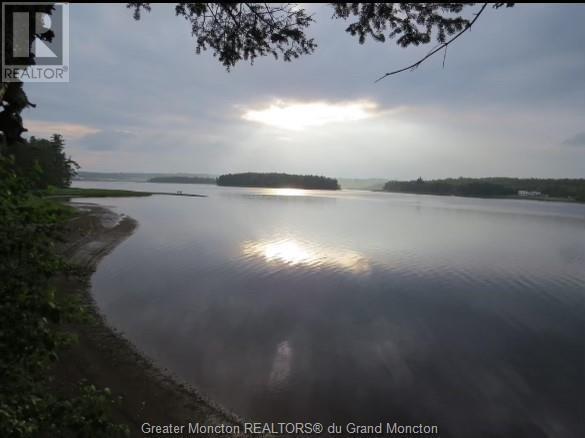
74 192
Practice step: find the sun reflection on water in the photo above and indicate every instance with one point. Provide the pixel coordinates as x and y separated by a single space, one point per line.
286 192
294 252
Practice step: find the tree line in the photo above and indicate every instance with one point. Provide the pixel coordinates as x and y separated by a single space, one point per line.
43 162
278 180
572 189
32 313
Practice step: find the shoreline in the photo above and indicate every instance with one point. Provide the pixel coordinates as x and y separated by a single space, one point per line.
513 197
102 356
78 192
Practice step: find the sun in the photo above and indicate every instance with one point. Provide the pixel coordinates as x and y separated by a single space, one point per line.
297 116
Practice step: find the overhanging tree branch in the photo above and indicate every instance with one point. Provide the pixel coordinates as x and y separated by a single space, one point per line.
245 31
437 49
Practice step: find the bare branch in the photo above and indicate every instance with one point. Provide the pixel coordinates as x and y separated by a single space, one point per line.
444 56
437 49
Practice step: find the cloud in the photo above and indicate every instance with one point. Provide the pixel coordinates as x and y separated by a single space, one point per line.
71 131
141 100
576 140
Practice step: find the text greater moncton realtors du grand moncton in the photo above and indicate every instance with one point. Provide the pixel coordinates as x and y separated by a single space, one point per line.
388 428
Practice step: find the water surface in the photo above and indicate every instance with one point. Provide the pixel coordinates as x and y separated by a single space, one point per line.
359 306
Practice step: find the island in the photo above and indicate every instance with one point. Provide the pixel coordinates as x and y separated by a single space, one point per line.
278 180
182 179
565 189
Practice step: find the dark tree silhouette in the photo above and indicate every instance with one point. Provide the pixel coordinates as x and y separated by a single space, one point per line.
410 24
237 31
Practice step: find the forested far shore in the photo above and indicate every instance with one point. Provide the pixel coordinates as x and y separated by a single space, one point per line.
278 180
182 179
572 189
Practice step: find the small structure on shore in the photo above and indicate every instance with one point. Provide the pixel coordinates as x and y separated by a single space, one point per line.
529 193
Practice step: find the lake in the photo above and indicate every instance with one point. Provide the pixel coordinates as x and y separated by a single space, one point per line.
292 305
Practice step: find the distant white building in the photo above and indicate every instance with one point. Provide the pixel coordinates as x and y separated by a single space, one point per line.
529 193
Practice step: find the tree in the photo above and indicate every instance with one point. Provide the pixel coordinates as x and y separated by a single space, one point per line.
236 31
44 162
277 180
13 99
410 24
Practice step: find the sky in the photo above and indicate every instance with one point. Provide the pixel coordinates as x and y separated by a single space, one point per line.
509 101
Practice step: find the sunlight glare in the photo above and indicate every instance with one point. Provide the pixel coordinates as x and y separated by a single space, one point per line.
286 192
299 116
293 252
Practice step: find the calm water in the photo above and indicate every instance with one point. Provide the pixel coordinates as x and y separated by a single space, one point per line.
357 306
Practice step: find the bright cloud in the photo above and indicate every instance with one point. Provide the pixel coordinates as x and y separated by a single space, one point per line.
298 116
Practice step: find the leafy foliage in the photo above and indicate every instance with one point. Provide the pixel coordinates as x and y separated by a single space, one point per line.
236 31
30 316
408 23
278 180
